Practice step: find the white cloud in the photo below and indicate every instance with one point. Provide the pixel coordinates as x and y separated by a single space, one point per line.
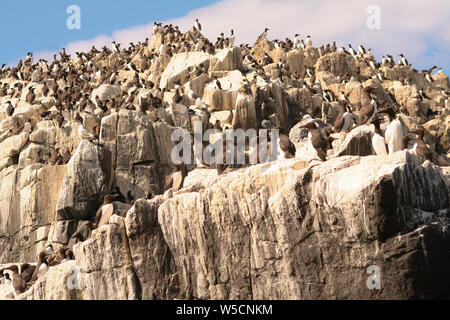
412 27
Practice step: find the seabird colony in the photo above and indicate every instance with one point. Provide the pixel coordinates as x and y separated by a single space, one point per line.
64 89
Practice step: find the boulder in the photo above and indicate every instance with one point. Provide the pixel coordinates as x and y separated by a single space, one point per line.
106 268
84 184
158 67
337 63
154 267
356 143
59 283
140 62
226 60
440 130
28 199
179 116
106 92
179 65
262 214
11 147
261 49
441 80
130 152
220 100
295 59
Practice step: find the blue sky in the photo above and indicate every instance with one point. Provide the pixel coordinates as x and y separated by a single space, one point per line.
42 26
417 28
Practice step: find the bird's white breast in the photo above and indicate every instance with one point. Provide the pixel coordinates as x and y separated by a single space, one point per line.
280 152
379 145
85 134
394 136
177 179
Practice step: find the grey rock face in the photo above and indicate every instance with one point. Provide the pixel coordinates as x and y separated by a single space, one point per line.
83 185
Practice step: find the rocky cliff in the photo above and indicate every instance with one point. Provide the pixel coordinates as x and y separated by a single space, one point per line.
290 229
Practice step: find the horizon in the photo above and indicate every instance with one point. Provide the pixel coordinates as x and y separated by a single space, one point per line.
424 43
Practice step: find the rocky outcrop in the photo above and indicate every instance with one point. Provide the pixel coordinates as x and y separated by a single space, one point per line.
226 60
132 154
106 92
337 63
28 199
178 67
83 185
285 230
291 229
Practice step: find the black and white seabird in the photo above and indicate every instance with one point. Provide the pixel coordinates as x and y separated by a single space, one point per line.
175 180
403 60
285 148
105 211
31 96
351 50
369 109
262 37
9 108
82 132
197 25
178 96
361 50
297 39
378 142
423 95
316 140
345 120
231 39
394 133
18 282
420 148
309 42
41 266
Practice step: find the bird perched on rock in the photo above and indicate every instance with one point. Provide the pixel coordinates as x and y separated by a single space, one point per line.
175 180
9 108
378 142
244 100
394 133
41 267
403 61
285 148
105 211
178 96
420 147
369 107
345 119
262 37
31 96
18 282
309 42
231 39
82 132
316 141
197 25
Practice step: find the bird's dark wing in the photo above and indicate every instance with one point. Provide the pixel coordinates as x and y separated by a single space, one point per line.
317 140
287 146
339 123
